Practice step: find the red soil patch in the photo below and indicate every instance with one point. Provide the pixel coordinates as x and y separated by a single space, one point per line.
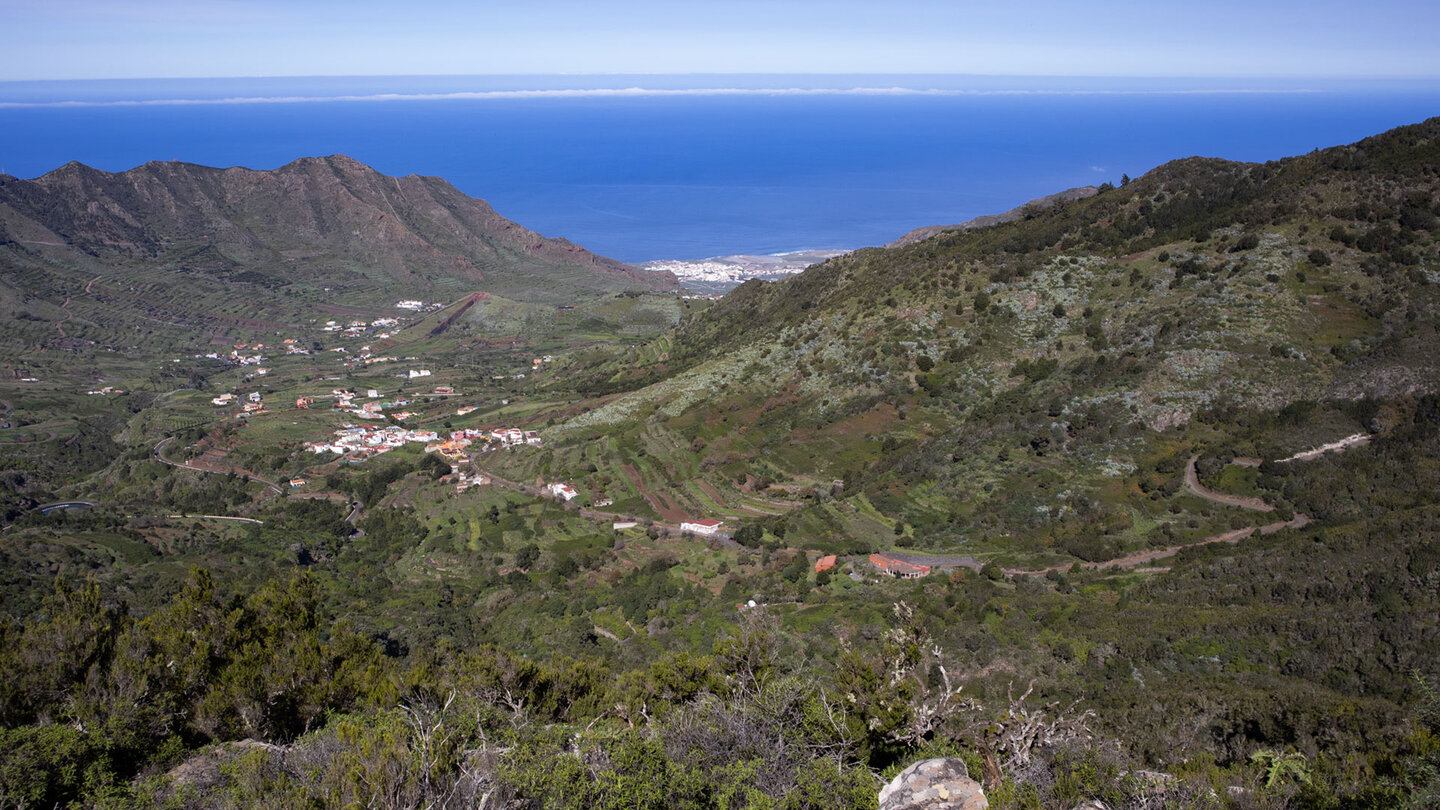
663 506
714 496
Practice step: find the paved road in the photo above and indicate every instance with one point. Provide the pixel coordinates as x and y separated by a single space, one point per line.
217 517
50 507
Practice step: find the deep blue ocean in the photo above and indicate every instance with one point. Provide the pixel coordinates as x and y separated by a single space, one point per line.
676 175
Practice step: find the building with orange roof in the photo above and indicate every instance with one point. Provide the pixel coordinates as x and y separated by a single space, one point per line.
899 568
825 563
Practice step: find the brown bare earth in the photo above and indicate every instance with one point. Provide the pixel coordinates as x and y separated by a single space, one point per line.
662 506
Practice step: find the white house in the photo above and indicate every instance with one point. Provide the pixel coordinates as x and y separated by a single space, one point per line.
560 490
706 527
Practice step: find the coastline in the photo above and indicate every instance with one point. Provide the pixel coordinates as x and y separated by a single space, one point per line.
720 274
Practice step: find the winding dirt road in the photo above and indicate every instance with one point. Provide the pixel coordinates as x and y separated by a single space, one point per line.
1192 482
160 456
59 326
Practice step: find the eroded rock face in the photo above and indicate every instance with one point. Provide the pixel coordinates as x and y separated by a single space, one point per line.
934 784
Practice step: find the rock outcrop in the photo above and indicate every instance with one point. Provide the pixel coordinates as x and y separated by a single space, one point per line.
934 784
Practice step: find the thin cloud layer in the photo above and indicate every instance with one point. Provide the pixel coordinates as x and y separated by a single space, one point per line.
635 92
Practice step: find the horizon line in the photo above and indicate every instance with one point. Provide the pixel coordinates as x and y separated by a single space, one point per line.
642 92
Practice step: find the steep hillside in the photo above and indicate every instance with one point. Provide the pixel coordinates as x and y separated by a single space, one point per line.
167 245
992 382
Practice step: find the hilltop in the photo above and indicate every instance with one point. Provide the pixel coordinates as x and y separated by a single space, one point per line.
985 220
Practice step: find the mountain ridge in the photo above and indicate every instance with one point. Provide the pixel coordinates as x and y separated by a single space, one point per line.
410 225
168 248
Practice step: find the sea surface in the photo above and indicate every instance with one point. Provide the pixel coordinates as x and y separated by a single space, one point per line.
647 167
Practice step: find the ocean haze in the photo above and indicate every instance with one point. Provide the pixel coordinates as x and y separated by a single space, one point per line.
643 168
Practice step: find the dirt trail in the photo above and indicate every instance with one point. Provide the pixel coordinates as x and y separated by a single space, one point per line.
1140 558
1192 481
66 307
60 324
191 465
1343 444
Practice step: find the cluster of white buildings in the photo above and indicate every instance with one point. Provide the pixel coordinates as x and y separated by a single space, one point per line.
363 441
511 437
238 356
366 440
345 401
464 480
454 447
106 390
254 403
365 358
353 329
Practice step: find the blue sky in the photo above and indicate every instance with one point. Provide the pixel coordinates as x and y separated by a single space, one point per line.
75 39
